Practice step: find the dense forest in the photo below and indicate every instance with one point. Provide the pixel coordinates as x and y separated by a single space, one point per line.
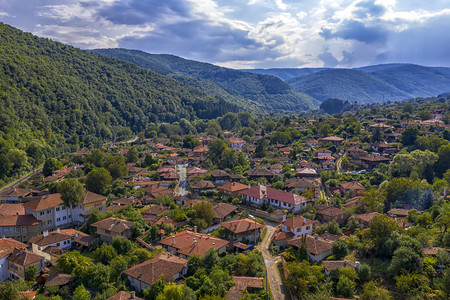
267 93
55 98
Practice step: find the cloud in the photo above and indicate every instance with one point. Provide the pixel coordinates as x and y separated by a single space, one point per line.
263 33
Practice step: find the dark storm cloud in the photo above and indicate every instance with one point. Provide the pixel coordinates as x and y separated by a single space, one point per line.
356 30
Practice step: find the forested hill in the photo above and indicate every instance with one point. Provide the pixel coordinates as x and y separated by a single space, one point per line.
267 93
377 83
57 94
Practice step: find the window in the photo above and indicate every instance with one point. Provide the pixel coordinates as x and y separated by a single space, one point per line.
57 209
41 213
11 229
64 217
17 229
50 222
58 244
299 229
307 227
1 229
49 211
63 208
58 219
108 231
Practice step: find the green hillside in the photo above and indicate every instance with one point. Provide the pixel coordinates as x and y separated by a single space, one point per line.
60 97
285 73
347 84
263 92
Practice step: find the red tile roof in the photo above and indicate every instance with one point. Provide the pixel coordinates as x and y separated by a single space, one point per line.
222 210
333 264
330 211
59 279
122 295
149 271
19 220
314 245
243 283
54 237
189 243
242 225
7 246
113 224
262 192
232 187
24 257
298 221
10 209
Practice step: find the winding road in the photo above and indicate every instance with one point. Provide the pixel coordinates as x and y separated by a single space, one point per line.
274 279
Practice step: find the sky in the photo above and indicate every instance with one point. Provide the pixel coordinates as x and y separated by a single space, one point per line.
249 33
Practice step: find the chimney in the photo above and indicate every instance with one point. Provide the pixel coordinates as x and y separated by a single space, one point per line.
45 233
76 234
209 235
195 229
304 221
173 239
195 241
133 295
58 230
357 265
284 218
316 237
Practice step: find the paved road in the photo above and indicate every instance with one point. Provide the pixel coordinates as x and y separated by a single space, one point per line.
182 188
17 182
276 285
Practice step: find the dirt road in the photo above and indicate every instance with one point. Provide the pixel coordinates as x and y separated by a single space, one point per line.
276 285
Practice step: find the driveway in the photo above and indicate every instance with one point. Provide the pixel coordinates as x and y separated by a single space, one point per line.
276 285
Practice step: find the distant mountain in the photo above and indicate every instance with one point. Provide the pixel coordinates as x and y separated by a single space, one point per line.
370 84
286 73
252 91
56 94
347 84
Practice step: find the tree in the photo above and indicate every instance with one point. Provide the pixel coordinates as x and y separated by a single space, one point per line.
190 142
72 192
50 165
98 180
210 259
215 149
30 273
261 148
443 162
81 293
96 158
68 261
10 289
122 245
397 188
116 166
405 259
373 200
345 287
371 291
152 292
303 278
413 284
380 229
409 135
204 211
171 291
340 249
105 253
364 272
132 155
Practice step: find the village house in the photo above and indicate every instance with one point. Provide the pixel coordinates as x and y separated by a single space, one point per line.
354 186
19 227
223 211
278 199
142 276
20 260
322 152
220 176
318 249
62 239
7 247
15 195
298 226
370 162
327 213
301 185
201 186
259 172
332 139
242 284
336 264
364 219
232 188
306 173
243 230
236 143
187 243
153 213
110 228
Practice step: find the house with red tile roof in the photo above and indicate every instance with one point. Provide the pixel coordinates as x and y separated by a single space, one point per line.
236 143
332 139
354 186
243 284
364 219
113 227
7 247
242 229
187 243
122 295
20 260
232 188
317 248
223 211
13 195
327 213
298 226
142 276
278 199
336 264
